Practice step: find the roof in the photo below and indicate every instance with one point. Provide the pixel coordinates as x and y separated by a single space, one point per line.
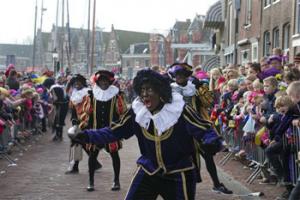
19 50
138 48
213 17
182 26
126 38
198 25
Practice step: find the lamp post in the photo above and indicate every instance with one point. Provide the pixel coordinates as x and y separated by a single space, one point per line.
55 57
162 52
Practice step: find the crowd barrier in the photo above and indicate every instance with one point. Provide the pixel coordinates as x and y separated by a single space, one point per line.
11 142
237 141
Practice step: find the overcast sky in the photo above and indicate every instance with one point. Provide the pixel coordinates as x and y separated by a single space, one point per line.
17 16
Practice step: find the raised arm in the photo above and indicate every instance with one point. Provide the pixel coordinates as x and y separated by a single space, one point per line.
123 129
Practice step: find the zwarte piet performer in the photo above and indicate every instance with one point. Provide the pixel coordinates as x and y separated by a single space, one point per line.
81 109
60 101
197 95
165 128
108 106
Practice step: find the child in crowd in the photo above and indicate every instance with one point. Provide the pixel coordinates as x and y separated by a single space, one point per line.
275 67
270 88
294 93
275 148
254 69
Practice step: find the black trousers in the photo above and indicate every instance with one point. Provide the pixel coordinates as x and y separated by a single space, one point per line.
210 166
295 194
177 186
93 164
279 159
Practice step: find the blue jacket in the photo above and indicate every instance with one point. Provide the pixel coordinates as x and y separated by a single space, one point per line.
172 151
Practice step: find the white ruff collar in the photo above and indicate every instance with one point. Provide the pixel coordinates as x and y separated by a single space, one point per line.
77 95
105 95
162 120
187 91
56 85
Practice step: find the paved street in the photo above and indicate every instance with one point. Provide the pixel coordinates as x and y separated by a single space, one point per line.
40 175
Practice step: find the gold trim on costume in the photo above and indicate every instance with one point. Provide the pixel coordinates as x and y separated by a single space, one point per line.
112 107
181 170
164 136
159 157
184 186
134 175
121 123
95 112
149 173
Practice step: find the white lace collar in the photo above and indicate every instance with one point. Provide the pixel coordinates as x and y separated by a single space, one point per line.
187 91
105 95
164 119
77 95
56 85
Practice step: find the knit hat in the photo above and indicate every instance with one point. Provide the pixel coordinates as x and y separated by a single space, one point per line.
277 58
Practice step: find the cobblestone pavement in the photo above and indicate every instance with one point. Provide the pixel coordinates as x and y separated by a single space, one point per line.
40 175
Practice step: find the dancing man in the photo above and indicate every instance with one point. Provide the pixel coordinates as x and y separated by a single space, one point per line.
165 128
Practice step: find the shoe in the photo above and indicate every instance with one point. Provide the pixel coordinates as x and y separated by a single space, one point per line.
98 166
222 189
284 196
55 138
269 181
252 165
90 188
72 172
116 186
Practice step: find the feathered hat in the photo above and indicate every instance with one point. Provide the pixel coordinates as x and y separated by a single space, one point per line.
104 73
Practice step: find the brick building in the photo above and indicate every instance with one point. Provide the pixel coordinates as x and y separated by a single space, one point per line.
276 19
252 28
136 57
248 41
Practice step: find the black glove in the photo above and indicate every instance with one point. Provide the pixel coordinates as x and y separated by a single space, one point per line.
80 138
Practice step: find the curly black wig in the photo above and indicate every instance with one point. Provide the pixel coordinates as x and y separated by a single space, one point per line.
159 83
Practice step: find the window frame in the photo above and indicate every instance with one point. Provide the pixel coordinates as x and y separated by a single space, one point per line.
253 46
266 44
286 33
243 60
267 3
297 28
275 37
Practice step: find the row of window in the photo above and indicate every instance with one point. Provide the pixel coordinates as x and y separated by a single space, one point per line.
267 44
268 2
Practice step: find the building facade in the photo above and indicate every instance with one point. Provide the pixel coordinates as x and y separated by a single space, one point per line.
246 30
276 29
136 57
248 42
